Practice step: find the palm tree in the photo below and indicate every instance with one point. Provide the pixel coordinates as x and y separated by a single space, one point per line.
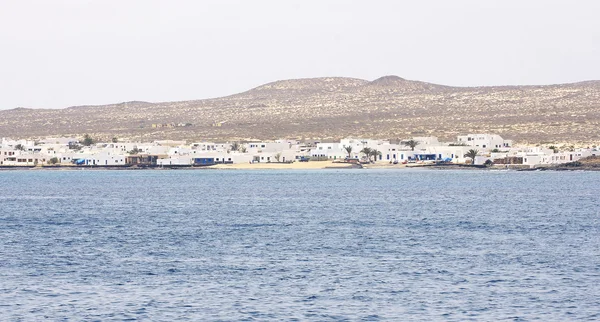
375 154
235 146
19 147
411 143
553 148
367 152
471 154
348 150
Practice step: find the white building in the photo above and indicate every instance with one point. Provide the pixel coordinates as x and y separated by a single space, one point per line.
426 141
210 146
222 156
277 146
334 151
455 154
99 158
177 160
484 141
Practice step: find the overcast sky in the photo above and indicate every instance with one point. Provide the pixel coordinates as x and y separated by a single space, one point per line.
60 53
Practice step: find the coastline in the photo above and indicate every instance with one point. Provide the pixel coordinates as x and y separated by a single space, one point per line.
288 166
312 165
231 166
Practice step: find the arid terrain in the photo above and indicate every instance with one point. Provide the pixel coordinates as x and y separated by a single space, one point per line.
389 107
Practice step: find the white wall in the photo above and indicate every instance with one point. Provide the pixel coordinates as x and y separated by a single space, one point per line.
484 141
175 160
334 151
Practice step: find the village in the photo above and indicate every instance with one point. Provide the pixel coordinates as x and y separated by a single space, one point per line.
470 149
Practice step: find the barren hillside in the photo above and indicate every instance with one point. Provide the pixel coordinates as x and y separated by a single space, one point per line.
389 107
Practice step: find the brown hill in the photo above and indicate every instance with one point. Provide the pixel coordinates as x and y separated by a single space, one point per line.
333 107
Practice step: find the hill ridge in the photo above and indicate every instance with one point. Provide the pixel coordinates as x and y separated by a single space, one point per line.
331 107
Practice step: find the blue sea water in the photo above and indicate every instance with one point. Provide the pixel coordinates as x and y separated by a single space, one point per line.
299 245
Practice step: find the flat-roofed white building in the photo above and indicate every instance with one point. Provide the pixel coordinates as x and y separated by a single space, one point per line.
267 147
176 160
333 151
455 154
210 146
484 141
426 141
100 158
21 158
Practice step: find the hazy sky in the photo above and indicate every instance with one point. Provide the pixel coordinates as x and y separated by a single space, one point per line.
60 53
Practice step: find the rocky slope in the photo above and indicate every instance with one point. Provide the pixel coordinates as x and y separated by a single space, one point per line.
388 107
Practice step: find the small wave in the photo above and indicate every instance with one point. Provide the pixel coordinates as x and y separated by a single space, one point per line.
21 197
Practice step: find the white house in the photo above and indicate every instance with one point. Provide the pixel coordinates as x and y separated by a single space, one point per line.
277 146
389 152
222 156
210 146
177 160
100 158
20 158
334 151
426 141
484 141
444 152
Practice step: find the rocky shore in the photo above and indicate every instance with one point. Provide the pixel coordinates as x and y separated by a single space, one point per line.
586 164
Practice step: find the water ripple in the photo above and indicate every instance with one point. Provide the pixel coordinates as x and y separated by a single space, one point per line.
299 245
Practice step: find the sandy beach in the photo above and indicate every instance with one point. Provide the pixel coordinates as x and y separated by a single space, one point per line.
295 165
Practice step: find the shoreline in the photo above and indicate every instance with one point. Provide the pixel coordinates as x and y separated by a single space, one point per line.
287 166
312 165
230 166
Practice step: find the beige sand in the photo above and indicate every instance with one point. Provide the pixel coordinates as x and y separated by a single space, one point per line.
295 165
384 165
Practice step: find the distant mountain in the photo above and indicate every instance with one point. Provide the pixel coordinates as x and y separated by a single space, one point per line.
321 85
397 84
333 107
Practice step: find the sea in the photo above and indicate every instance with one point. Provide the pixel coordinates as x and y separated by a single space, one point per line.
299 245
